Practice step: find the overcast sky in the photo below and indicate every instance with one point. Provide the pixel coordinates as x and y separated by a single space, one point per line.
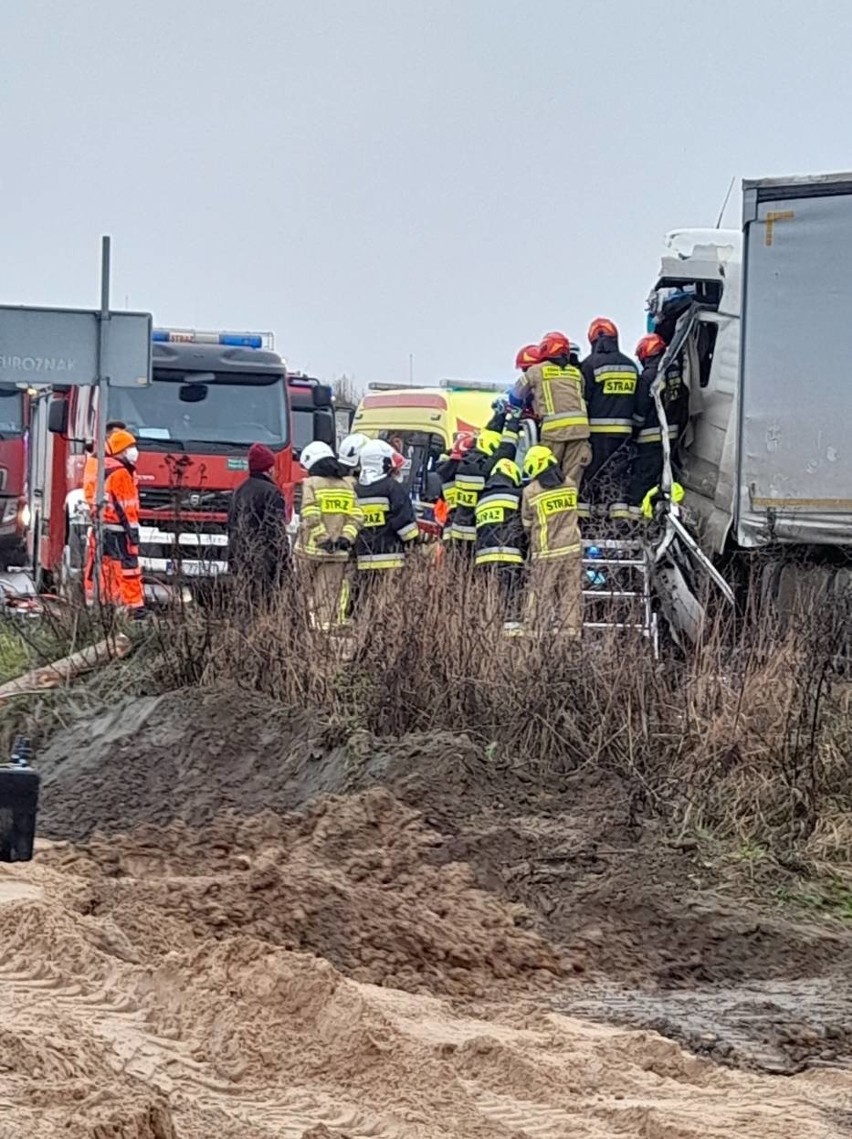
373 178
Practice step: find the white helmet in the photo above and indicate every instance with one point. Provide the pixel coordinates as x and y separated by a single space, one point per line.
378 459
313 453
350 449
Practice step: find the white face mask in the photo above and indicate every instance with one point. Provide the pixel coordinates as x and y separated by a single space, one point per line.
132 455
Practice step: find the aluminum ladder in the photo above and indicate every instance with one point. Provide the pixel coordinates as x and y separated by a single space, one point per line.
617 588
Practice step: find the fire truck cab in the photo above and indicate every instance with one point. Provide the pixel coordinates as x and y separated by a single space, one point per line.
212 395
14 512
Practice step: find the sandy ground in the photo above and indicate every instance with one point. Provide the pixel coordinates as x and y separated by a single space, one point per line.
146 998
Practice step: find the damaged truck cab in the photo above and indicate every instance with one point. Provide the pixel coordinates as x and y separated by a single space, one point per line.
760 320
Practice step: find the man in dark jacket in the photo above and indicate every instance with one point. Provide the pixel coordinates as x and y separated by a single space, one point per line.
500 536
258 550
609 381
648 463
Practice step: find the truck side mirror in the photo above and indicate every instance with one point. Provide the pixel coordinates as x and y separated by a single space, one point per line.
57 416
324 429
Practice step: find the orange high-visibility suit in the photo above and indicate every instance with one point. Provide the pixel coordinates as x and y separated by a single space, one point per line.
90 489
122 577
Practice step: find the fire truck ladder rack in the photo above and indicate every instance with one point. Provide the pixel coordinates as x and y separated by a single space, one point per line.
617 588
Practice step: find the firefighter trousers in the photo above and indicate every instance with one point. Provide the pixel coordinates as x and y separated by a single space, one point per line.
327 591
573 457
605 476
554 595
502 601
647 472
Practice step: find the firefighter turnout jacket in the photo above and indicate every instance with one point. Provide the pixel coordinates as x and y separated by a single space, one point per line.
472 476
389 524
500 536
675 401
329 514
549 515
554 390
610 379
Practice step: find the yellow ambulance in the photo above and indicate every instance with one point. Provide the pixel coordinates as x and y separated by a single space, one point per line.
421 423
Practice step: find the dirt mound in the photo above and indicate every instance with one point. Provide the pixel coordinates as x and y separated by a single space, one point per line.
566 845
350 880
115 1030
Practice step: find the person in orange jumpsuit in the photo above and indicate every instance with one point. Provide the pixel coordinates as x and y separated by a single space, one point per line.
90 490
121 576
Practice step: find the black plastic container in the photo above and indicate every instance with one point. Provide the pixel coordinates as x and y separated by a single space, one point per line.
19 787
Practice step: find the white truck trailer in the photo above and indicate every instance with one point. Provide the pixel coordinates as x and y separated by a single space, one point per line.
762 321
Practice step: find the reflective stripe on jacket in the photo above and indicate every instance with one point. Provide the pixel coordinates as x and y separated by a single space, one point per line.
674 396
610 381
472 476
500 538
549 514
556 393
329 511
389 524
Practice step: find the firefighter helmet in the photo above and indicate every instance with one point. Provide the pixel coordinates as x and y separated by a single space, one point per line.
315 453
553 345
508 468
537 460
650 345
527 356
487 441
350 449
602 326
463 442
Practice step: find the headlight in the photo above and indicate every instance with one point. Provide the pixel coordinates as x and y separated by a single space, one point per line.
25 516
10 510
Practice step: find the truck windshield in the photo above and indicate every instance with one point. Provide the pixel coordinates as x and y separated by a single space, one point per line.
231 411
11 411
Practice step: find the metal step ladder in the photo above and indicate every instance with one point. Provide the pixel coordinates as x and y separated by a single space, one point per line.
617 587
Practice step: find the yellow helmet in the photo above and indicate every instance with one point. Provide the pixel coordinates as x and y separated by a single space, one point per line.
509 469
537 460
488 441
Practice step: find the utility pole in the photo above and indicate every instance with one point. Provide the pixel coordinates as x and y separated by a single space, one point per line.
100 444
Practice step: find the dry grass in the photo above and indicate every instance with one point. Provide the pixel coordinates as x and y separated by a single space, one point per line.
749 737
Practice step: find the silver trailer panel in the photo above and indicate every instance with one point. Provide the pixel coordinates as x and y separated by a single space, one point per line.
795 397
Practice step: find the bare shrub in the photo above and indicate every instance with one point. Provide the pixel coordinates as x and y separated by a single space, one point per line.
746 735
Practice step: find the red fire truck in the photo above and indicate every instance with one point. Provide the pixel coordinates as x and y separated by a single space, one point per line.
212 395
14 512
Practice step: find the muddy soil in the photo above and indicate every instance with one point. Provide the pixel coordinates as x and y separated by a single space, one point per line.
608 890
148 995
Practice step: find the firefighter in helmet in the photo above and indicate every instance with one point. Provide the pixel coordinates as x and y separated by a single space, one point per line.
549 515
610 379
553 388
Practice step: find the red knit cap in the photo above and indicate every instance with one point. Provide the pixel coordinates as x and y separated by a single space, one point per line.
260 459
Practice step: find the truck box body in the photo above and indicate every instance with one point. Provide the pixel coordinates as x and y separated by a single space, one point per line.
794 475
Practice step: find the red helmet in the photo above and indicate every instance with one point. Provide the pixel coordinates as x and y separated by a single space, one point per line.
463 442
554 344
527 356
601 326
650 345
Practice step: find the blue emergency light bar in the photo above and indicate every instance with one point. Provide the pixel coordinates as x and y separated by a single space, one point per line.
224 339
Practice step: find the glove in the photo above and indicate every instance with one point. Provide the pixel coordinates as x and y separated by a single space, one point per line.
343 544
500 404
328 546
